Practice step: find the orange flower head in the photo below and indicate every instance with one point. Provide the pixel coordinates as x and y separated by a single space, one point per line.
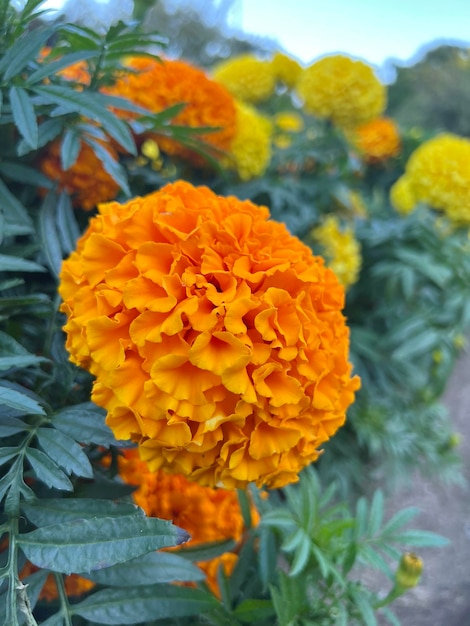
216 338
207 514
87 180
378 139
76 72
157 85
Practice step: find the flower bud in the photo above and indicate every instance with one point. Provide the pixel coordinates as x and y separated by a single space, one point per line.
409 571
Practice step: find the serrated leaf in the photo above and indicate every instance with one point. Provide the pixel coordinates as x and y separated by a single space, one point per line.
49 68
24 116
47 471
10 263
85 423
155 602
421 539
20 401
66 224
16 215
24 174
64 451
84 545
47 512
69 149
208 551
91 105
8 362
7 453
399 519
112 167
25 49
149 569
48 236
10 425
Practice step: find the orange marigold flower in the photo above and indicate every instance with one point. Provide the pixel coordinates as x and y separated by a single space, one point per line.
207 514
378 139
216 337
87 180
157 85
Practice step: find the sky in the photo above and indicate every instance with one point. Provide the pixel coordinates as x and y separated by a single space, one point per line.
368 29
372 30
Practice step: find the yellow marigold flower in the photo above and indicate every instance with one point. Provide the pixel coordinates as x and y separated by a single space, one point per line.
285 124
87 180
438 173
341 249
216 337
207 514
343 90
378 139
250 152
157 85
286 69
289 121
246 77
402 196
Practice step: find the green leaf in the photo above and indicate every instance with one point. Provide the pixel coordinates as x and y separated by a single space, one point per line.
155 602
114 169
252 611
91 105
47 512
67 226
49 68
208 551
47 471
64 451
48 236
11 425
20 401
365 607
14 355
7 453
400 519
15 264
70 148
24 116
25 49
421 539
17 220
149 569
85 423
422 343
83 545
24 174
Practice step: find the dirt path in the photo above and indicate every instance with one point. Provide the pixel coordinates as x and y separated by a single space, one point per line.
443 596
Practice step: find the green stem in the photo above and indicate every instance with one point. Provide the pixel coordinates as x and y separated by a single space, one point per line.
64 601
13 580
395 593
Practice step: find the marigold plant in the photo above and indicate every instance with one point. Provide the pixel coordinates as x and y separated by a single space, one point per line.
208 514
158 85
378 139
86 180
216 338
438 173
246 77
343 90
341 249
250 151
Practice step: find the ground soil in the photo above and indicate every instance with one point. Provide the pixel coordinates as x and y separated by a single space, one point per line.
443 596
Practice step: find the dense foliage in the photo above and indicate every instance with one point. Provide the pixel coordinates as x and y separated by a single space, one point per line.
162 389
